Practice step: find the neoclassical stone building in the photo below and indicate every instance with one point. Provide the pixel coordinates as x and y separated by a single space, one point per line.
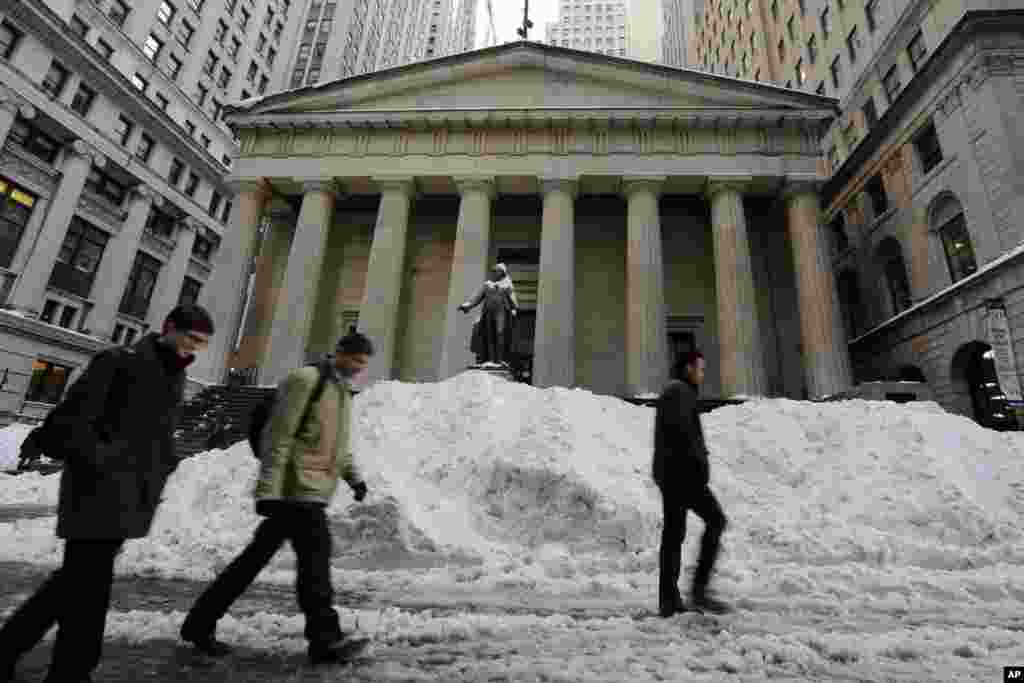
641 209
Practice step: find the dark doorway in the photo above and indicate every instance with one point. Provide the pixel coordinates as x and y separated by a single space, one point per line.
974 365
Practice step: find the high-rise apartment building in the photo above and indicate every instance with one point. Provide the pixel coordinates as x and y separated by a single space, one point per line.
676 19
113 165
338 40
593 26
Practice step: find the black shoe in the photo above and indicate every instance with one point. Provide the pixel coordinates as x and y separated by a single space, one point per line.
667 610
702 602
338 652
205 643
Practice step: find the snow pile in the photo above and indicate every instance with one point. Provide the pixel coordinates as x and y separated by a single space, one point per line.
11 438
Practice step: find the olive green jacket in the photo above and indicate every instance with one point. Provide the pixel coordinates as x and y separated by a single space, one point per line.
306 466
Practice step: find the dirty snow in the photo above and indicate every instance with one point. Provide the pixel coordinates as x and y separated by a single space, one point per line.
867 540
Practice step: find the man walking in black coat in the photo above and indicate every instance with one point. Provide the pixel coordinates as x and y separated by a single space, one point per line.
114 432
681 471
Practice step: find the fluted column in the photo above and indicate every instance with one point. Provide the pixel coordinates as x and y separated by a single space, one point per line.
296 302
826 357
739 334
224 293
118 259
30 288
378 315
554 361
11 105
172 275
469 270
268 280
646 327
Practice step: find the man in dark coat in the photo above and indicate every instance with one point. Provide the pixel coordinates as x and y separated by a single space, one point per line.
114 432
681 471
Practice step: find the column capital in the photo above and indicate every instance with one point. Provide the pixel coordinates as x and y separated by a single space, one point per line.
483 184
325 185
794 186
633 184
254 185
83 149
146 193
717 185
406 184
568 185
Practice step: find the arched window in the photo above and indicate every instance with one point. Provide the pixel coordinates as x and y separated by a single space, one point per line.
849 302
947 218
889 256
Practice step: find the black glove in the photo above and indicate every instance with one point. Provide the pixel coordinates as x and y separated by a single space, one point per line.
359 490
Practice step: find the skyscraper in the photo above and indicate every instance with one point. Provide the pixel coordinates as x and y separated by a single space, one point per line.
594 26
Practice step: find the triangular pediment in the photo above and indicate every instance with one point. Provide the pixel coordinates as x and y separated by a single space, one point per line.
532 76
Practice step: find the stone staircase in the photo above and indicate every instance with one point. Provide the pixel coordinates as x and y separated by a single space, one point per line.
217 417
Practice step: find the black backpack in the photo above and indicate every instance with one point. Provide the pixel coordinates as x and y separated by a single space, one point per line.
259 416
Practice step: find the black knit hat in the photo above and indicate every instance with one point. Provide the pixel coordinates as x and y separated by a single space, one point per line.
191 317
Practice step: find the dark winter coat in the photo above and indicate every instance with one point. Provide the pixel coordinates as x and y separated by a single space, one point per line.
117 425
680 454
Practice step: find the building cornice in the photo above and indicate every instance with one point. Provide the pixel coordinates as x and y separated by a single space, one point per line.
11 321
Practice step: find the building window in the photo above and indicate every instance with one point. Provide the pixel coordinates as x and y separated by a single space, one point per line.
166 13
226 161
191 185
173 67
196 5
775 9
252 73
67 316
118 331
871 13
141 283
236 45
215 200
201 92
105 49
801 75
892 83
870 113
105 186
139 82
144 149
876 194
202 248
151 48
204 140
84 97
55 80
191 128
264 82
916 51
78 26
225 78
129 336
221 32
48 382
226 213
161 101
835 70
118 12
820 90
123 130
185 33
826 23
853 44
246 16
190 289
78 259
177 169
49 310
10 37
271 56
812 49
791 28
15 211
210 65
160 223
956 240
218 109
929 151
33 140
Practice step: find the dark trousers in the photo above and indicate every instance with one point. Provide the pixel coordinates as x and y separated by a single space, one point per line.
305 526
675 505
76 598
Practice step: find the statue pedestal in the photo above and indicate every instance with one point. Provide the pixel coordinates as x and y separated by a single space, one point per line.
493 370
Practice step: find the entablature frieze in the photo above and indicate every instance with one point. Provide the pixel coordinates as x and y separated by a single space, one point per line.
496 133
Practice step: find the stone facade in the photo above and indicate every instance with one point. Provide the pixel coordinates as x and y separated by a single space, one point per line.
606 171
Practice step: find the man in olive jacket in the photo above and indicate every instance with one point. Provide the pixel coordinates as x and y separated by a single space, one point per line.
299 472
114 432
681 471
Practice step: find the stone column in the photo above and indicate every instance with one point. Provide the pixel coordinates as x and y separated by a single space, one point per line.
826 357
554 360
378 316
224 293
296 303
118 259
920 245
10 106
739 333
29 289
269 277
646 327
172 275
469 270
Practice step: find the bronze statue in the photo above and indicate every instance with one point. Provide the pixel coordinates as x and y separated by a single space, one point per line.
492 332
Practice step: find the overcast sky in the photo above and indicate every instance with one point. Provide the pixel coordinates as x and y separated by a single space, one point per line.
508 16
